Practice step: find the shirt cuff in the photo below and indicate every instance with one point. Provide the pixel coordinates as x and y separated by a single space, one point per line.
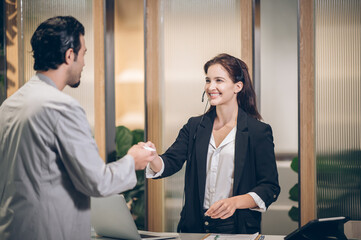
149 173
260 203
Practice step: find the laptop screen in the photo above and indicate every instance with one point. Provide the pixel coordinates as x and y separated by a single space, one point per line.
110 217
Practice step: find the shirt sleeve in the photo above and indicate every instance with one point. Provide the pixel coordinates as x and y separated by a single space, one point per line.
79 154
260 203
267 186
149 173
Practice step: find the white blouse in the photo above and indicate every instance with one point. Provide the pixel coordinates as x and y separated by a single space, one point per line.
220 169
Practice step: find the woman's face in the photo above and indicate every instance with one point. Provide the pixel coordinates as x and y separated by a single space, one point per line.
220 88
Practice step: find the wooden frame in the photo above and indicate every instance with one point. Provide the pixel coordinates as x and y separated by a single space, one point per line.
12 49
246 9
99 77
155 188
307 173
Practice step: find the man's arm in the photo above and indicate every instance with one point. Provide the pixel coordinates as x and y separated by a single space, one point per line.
88 172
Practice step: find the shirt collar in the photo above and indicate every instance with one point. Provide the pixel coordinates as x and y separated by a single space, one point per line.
228 139
46 79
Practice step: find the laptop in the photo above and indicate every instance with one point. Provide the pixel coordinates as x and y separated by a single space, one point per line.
110 217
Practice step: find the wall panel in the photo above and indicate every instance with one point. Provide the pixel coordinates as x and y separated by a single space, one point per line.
338 107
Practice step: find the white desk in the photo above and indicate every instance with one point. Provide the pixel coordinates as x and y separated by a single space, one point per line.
197 236
192 236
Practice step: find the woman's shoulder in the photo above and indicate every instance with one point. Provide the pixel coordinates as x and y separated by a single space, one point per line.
195 120
257 126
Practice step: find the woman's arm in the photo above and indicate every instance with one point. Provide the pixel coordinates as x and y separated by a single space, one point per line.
156 164
267 186
226 207
175 156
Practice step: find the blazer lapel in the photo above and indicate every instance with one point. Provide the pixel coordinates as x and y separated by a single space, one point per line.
202 143
241 147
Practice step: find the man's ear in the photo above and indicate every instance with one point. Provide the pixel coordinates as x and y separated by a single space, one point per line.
239 86
69 56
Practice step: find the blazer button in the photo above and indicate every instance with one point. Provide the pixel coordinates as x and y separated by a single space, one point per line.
206 223
274 196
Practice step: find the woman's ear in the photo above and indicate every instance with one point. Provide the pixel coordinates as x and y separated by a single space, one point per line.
69 56
238 87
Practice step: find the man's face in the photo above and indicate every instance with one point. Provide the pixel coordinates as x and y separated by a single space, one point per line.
77 66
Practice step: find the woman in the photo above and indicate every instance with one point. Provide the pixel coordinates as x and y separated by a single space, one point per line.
231 173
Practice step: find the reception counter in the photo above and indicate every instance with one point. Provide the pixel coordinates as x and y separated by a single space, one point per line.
190 236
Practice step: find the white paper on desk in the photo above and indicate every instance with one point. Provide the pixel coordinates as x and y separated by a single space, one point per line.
232 236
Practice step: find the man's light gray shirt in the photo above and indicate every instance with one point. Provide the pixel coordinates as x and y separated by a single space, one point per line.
50 165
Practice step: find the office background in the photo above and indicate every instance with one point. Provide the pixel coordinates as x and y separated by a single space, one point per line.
304 55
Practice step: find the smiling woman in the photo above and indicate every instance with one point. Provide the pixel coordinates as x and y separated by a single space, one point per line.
231 173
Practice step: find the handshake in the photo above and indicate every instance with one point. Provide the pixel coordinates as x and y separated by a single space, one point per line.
144 153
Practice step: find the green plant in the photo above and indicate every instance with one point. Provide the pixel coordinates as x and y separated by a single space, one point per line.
294 212
338 179
135 198
338 184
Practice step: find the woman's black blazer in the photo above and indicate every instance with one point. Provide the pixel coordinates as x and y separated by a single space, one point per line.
254 168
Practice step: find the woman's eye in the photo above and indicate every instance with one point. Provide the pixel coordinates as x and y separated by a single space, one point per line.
208 81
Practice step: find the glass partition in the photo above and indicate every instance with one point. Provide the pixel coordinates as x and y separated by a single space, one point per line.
129 91
129 63
192 32
279 102
338 107
31 14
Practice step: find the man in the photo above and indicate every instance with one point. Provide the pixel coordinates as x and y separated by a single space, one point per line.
49 162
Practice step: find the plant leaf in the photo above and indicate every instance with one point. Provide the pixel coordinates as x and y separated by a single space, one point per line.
140 177
295 164
294 214
294 191
124 140
138 136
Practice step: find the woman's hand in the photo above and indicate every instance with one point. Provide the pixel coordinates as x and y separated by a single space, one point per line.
156 163
226 207
223 208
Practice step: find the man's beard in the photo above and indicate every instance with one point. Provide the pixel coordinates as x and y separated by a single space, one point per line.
75 85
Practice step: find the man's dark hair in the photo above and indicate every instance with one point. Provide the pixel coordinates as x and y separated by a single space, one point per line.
52 39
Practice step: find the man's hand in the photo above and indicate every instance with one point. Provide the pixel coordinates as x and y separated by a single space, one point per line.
141 156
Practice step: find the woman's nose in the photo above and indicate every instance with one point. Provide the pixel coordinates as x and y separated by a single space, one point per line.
211 85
